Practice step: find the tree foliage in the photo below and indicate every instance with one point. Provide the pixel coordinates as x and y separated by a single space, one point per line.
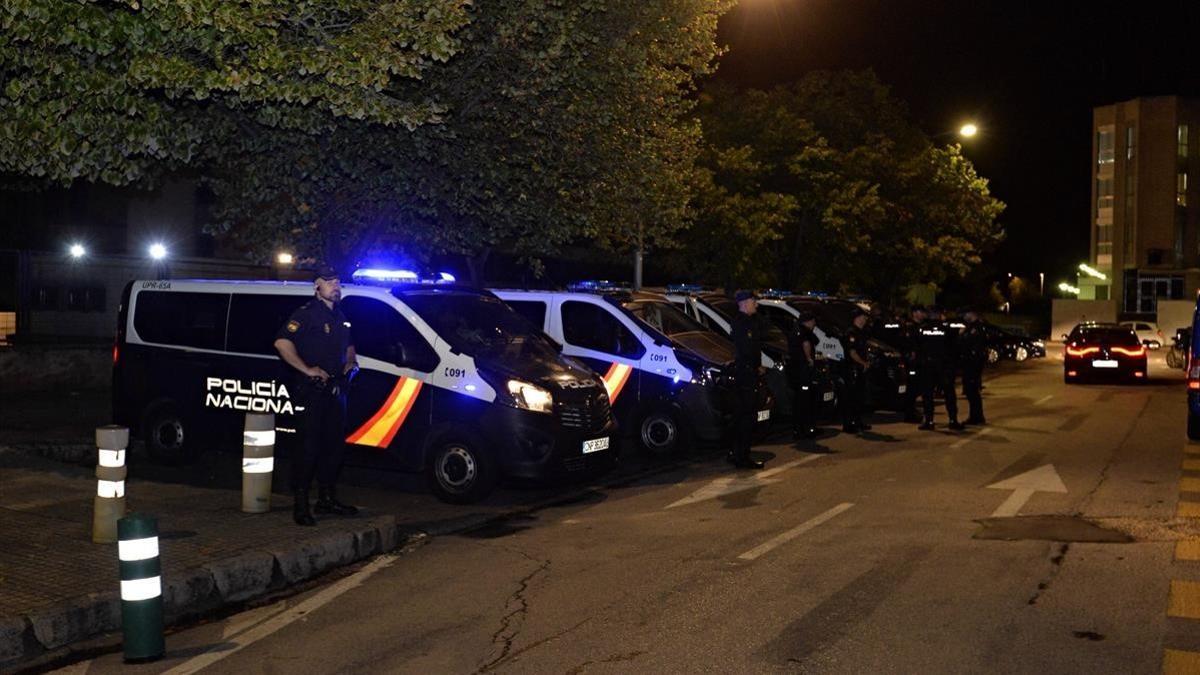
873 205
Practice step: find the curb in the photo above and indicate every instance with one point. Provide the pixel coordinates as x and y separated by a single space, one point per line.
41 636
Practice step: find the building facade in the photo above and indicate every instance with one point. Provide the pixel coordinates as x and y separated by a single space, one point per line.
1145 205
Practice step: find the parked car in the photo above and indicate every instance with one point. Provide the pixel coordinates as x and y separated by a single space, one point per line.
1005 345
1147 332
1103 350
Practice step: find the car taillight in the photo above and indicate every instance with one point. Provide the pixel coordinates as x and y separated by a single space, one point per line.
1194 370
1136 351
1081 351
116 353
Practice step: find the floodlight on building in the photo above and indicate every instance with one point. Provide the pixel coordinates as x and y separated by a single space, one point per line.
1092 271
284 258
1068 288
157 251
968 130
77 251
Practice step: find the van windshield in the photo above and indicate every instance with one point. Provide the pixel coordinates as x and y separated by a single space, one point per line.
480 325
663 317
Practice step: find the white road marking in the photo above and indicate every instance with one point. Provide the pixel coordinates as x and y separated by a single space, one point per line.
963 441
740 482
282 620
1043 399
791 534
1042 479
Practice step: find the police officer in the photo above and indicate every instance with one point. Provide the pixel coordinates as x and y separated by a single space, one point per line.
936 368
802 369
748 359
972 355
315 342
857 363
910 339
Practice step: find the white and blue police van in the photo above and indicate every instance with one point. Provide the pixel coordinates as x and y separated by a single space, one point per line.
451 382
669 378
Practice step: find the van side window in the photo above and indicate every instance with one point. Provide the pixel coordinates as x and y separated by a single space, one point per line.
592 327
534 311
780 317
376 329
183 319
254 320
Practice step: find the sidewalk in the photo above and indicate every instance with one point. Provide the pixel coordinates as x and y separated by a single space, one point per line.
58 589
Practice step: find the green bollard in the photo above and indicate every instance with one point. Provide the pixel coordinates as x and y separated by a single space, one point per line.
258 462
141 589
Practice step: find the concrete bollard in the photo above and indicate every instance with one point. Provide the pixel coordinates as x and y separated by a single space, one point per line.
258 462
109 504
141 589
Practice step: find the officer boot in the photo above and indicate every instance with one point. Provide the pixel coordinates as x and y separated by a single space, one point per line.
927 425
300 512
955 425
327 502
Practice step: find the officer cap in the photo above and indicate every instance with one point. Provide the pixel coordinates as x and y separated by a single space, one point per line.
963 311
917 308
326 273
805 317
744 295
857 312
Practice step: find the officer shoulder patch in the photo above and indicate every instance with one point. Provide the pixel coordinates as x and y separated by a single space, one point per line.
293 326
327 329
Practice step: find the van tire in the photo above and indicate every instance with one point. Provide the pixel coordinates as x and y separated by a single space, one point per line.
660 432
165 434
460 470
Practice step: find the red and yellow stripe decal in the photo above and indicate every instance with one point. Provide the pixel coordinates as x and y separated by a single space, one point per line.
615 379
383 425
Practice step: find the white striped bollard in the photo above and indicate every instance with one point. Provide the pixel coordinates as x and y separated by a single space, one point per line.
258 462
141 589
109 504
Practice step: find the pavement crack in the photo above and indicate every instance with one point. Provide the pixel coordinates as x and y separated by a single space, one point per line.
1087 498
516 609
1057 562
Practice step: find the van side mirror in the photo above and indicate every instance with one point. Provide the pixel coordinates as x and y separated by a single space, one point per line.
416 359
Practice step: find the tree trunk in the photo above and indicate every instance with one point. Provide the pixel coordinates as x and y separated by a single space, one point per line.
477 266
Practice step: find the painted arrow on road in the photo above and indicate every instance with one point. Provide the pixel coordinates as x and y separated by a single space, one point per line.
740 482
1042 479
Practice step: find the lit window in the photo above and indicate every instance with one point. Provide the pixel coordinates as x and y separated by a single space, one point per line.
1130 142
1104 193
1104 146
1182 135
1181 185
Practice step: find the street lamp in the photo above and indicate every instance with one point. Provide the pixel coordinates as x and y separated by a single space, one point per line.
77 251
1068 288
1092 271
157 251
968 130
284 258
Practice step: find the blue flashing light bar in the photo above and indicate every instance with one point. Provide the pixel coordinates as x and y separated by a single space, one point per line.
684 288
378 275
817 294
596 286
775 293
446 278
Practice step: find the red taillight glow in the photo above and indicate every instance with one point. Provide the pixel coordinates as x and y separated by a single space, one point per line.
1139 373
116 354
1081 351
1072 373
1193 384
1135 351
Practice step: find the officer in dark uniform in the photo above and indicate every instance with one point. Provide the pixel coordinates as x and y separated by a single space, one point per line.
315 342
802 367
972 355
747 343
936 364
857 363
910 339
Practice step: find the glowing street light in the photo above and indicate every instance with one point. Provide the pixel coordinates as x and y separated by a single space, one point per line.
284 258
77 251
968 130
1068 288
1092 271
158 251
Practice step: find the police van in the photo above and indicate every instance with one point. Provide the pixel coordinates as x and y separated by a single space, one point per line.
451 380
888 382
669 378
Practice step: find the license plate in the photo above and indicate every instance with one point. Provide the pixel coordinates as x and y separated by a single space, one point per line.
1101 363
764 415
827 396
901 389
595 445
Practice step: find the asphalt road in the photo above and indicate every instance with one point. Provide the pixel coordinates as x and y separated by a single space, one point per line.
883 556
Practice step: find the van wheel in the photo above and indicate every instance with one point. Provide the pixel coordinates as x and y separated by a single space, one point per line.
1021 354
993 356
164 432
660 433
460 471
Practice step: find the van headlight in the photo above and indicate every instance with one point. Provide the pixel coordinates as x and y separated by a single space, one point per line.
530 397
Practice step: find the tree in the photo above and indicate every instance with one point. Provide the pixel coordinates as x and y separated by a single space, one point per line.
876 207
123 91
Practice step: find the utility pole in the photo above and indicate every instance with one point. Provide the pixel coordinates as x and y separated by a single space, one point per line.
637 258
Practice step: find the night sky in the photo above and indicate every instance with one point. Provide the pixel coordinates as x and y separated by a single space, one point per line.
1029 72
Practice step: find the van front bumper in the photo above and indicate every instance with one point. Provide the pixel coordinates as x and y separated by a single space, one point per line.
537 446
